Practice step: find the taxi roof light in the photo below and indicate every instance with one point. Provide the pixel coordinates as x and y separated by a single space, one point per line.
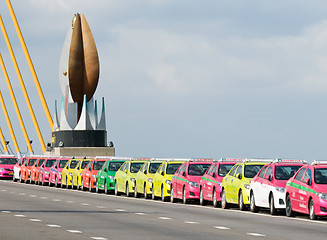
258 160
281 160
201 160
230 160
315 162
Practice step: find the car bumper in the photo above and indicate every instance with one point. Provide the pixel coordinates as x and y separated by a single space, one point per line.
321 207
192 192
111 184
279 199
246 195
6 174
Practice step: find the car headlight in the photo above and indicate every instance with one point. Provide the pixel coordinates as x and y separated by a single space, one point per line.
247 186
132 179
70 174
150 180
94 176
280 189
47 173
194 184
1 169
168 182
80 174
322 196
111 177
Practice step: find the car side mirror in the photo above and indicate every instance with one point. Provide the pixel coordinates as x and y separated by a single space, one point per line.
268 177
239 176
56 166
308 181
213 175
145 171
125 171
163 173
105 170
184 174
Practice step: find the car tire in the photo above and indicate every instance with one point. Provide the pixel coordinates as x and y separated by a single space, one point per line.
288 210
202 201
127 190
224 203
97 190
56 182
153 197
26 179
90 186
163 198
136 194
214 198
241 204
253 207
172 197
117 193
312 214
67 186
273 210
185 200
20 178
145 193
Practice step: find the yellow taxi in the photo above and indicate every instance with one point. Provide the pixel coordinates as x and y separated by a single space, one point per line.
67 172
125 176
235 187
144 177
77 173
162 178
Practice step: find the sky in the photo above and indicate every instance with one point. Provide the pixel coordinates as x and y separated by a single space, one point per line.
184 79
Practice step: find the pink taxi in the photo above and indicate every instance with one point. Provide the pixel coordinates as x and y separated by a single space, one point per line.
267 188
306 192
7 164
55 172
210 183
44 172
185 184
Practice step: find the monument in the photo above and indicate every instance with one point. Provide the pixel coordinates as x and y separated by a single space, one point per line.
77 130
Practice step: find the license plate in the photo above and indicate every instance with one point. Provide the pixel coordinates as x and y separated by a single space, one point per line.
11 173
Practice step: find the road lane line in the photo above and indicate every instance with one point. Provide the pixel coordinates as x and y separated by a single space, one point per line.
22 194
222 227
32 195
35 220
99 238
3 190
85 204
44 198
101 207
74 231
164 218
19 215
191 222
120 210
256 234
6 211
53 226
56 200
70 201
140 213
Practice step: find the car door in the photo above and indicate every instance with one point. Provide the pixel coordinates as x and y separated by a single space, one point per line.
227 180
265 187
180 183
304 193
206 181
236 183
256 186
295 189
102 174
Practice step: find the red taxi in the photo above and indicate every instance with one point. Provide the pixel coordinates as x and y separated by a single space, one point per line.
25 170
185 184
89 174
210 183
306 192
35 170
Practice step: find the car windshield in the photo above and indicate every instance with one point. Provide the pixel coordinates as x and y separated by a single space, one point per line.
114 166
172 168
320 175
8 161
198 169
251 170
224 169
73 163
40 162
31 162
62 163
154 167
285 172
84 163
50 162
135 166
98 165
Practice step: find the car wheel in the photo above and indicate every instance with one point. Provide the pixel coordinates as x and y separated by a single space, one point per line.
90 186
288 210
312 214
116 189
82 185
105 187
67 186
56 182
214 198
224 203
127 190
172 197
202 201
26 178
97 187
146 195
241 205
273 210
20 178
185 200
253 207
136 194
162 194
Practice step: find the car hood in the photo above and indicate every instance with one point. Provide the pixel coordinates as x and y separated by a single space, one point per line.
8 166
194 178
322 188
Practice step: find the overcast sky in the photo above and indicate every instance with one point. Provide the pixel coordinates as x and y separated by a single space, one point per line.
186 78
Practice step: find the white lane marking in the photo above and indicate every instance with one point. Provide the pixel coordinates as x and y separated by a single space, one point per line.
35 220
3 190
140 213
85 204
101 207
70 201
256 234
221 227
19 215
164 218
32 195
99 238
74 231
22 194
191 222
53 226
44 198
120 210
6 211
56 200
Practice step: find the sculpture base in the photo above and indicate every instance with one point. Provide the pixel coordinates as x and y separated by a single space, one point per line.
81 151
79 138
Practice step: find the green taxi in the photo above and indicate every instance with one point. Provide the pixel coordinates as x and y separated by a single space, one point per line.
125 176
235 187
105 180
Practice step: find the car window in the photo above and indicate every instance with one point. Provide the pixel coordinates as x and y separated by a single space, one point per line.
135 166
114 166
232 173
144 166
182 169
307 175
299 175
8 161
285 172
172 168
210 169
239 171
31 162
269 171
161 168
98 165
198 169
41 161
262 172
224 169
251 170
154 167
50 162
320 175
62 163
84 163
73 164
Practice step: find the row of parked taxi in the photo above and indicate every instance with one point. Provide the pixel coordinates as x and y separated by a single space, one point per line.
281 184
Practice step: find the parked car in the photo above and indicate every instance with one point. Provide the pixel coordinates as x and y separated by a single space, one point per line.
185 184
25 170
210 183
35 170
67 172
236 184
306 191
7 164
44 171
16 170
77 173
89 174
55 171
267 188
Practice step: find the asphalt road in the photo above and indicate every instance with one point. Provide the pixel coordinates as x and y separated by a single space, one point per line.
40 212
